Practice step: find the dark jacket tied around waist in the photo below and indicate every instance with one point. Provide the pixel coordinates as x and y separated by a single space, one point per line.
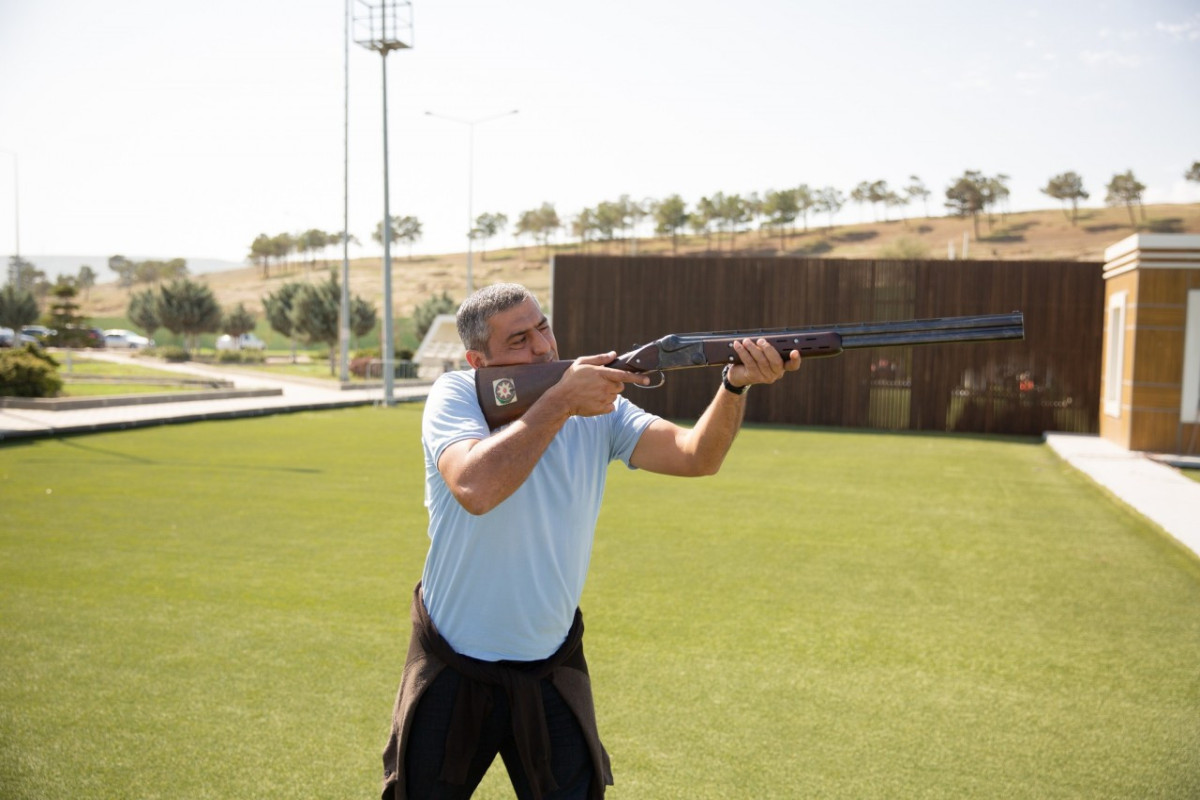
429 654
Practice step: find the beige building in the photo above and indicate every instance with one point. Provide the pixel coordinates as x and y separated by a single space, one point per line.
1150 379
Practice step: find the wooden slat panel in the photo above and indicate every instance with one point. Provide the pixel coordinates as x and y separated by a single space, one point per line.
608 302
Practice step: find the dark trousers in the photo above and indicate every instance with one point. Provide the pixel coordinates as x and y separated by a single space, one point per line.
570 760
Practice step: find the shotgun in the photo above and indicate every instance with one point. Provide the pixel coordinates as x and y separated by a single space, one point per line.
507 392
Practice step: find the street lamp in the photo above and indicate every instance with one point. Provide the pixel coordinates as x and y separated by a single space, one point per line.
471 123
384 26
15 266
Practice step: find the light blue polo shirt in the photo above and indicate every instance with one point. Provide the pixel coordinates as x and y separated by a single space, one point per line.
505 585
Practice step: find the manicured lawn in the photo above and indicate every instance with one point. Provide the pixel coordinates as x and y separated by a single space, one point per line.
220 610
78 380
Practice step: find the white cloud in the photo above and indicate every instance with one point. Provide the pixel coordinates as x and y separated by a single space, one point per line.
1109 58
1188 30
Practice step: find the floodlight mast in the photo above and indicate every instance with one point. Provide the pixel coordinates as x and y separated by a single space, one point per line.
384 26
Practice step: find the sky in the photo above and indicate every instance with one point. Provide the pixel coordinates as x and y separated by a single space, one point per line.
160 129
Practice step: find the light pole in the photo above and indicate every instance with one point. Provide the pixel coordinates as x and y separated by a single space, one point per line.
380 26
471 123
344 305
15 266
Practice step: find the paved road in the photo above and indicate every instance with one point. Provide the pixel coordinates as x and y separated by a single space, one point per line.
296 394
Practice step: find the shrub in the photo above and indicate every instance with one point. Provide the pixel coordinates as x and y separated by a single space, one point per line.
173 354
240 357
28 372
359 365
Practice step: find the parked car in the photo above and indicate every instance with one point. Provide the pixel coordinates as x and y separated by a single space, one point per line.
118 337
247 341
39 334
78 336
8 337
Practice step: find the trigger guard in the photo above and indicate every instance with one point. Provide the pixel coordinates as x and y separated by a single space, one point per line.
662 378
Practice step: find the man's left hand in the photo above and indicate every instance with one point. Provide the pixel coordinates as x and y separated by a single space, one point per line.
761 363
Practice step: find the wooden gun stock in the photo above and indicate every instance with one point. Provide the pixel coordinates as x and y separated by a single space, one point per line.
507 392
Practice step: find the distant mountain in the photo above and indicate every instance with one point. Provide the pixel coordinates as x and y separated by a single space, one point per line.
54 266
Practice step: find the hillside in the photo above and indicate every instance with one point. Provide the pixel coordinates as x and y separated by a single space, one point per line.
1031 235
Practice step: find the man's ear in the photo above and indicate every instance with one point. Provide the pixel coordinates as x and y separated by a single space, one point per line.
476 359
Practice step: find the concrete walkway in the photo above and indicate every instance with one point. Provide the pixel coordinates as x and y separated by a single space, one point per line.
294 394
1155 490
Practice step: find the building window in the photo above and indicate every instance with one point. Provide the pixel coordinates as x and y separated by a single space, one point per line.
1114 367
1189 410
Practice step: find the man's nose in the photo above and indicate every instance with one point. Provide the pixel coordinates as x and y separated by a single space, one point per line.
540 342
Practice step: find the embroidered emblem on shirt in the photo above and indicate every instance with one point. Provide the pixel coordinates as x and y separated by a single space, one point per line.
505 391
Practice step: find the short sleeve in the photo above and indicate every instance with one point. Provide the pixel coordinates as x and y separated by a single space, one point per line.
452 413
628 423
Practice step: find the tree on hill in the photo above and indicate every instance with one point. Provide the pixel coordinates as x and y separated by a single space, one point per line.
670 214
143 312
859 195
781 210
487 226
154 271
310 242
18 307
703 217
608 218
540 223
1125 189
916 191
403 229
1067 186
189 309
878 193
995 195
282 247
125 270
830 201
966 197
806 201
1193 173
734 212
262 249
582 226
85 280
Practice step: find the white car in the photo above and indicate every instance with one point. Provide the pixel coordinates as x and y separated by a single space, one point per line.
119 337
247 341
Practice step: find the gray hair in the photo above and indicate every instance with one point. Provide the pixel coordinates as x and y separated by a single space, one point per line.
475 312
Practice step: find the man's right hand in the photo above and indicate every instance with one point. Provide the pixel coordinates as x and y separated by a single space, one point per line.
590 389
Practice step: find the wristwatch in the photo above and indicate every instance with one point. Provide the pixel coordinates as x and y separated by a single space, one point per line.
729 387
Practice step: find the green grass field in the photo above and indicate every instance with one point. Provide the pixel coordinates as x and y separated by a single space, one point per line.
86 377
219 610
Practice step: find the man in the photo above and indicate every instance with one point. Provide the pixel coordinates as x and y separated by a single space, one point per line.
495 664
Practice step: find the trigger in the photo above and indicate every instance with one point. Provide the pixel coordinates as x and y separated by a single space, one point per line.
662 378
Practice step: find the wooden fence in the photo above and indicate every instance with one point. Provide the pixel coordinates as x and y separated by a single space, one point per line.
1049 381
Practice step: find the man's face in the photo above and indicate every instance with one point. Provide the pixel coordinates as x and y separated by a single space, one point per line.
519 335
